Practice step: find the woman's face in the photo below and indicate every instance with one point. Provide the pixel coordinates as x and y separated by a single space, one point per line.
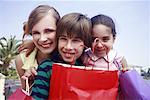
70 48
44 34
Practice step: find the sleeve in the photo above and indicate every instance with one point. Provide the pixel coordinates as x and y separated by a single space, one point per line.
40 89
30 61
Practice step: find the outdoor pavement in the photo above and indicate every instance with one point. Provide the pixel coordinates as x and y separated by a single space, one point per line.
2 82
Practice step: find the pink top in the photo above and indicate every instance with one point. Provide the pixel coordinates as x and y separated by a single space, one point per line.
114 59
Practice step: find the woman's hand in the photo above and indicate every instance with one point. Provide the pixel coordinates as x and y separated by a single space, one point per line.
30 73
27 44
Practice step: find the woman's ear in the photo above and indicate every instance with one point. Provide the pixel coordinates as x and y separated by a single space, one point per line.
114 38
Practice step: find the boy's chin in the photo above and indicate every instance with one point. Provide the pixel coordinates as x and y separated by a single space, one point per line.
69 61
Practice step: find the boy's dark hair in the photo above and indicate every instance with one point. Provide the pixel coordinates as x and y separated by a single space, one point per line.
104 20
75 24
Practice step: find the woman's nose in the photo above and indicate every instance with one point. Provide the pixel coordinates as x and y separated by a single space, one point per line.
43 37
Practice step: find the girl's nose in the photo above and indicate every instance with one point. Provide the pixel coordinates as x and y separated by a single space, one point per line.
100 45
98 42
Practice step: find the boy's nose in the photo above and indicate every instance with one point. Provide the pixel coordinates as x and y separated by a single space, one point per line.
68 45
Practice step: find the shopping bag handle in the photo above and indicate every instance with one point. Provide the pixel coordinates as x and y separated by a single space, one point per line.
27 89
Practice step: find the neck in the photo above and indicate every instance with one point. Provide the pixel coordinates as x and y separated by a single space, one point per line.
41 56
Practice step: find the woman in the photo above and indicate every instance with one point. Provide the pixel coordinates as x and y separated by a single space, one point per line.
42 25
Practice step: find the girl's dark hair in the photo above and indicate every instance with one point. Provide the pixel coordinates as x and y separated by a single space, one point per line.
104 20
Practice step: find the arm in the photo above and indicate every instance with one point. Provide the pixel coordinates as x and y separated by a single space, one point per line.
40 89
25 69
19 69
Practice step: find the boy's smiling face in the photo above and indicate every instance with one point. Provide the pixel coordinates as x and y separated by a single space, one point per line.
70 48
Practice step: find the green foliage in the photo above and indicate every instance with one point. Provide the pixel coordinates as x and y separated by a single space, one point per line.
12 74
8 51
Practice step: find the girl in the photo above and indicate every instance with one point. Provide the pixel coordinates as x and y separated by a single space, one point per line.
103 36
42 25
103 55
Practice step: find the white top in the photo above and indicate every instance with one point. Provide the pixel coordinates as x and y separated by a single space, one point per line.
114 60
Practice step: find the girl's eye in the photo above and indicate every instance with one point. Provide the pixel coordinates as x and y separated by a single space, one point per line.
93 39
105 39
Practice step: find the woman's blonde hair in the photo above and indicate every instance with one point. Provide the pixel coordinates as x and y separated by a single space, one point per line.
37 14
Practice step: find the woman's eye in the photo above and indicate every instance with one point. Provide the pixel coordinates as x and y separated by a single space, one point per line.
35 33
49 30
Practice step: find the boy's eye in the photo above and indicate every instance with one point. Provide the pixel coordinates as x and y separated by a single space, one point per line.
62 38
77 40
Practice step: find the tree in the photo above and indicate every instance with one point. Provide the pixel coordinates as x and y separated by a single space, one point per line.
8 50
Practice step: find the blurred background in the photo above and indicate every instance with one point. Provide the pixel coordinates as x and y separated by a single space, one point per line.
132 19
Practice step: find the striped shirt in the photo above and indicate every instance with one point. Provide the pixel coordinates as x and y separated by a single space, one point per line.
40 89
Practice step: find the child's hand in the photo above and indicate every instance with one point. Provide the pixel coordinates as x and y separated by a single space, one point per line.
27 44
30 73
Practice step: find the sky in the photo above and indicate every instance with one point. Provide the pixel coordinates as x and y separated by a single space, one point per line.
132 19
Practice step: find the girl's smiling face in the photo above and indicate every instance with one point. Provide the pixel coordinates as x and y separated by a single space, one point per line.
103 39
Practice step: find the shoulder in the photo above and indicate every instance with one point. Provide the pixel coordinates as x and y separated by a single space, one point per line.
46 63
55 57
79 62
116 55
122 60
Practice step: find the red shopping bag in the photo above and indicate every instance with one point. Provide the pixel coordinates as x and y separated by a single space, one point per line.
21 94
80 83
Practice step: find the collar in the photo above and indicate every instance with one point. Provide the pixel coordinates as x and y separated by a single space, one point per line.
111 56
